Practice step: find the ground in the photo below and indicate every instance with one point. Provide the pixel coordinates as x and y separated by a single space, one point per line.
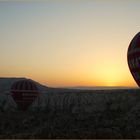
77 114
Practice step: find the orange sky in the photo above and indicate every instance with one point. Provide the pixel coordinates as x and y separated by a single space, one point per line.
68 43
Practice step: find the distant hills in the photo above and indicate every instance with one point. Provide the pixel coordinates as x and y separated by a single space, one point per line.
100 87
5 84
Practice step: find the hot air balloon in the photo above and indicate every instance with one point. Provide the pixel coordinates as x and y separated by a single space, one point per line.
24 92
133 57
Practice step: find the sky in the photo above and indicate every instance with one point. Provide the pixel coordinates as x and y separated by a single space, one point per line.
68 42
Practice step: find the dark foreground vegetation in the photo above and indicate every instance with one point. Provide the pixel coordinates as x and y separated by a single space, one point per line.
83 114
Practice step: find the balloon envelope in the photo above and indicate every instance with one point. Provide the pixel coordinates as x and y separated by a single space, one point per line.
24 93
133 57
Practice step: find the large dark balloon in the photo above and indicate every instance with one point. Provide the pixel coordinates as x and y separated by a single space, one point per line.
24 92
133 57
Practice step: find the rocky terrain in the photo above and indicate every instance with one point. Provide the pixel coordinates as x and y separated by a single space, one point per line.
63 113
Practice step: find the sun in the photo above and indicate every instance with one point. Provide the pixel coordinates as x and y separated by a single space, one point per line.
110 76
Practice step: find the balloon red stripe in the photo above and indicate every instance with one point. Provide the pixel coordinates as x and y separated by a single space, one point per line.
26 91
135 69
134 55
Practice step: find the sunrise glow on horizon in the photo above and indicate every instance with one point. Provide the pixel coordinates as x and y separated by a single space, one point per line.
68 43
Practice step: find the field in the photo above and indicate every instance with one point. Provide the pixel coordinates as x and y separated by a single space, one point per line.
74 114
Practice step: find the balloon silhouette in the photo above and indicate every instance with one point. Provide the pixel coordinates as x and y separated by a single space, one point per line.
133 57
24 92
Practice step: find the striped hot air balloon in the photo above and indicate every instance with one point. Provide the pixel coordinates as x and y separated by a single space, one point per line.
133 57
24 92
